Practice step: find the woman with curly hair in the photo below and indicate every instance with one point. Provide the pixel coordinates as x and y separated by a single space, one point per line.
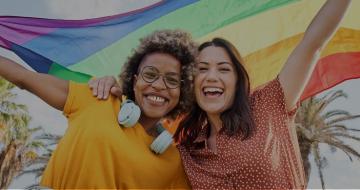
97 152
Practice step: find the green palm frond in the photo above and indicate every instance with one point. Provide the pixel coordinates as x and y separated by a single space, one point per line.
332 96
20 146
346 149
314 125
335 113
354 130
37 171
38 165
335 128
344 118
347 136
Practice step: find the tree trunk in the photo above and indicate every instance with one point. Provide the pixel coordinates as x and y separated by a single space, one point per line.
9 165
305 149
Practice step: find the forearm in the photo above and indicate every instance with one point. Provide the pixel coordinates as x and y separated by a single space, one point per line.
301 62
325 23
50 89
12 71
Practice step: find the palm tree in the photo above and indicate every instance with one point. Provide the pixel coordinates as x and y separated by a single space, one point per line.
17 147
315 126
38 165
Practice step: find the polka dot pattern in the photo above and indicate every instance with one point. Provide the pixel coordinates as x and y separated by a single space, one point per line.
269 159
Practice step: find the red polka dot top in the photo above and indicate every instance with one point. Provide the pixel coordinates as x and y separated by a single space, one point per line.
269 159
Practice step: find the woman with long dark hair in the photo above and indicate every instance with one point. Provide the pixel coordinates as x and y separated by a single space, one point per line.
234 138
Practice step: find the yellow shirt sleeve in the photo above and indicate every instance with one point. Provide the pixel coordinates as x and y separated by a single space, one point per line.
79 96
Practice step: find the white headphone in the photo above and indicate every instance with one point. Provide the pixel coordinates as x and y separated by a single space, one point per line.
129 115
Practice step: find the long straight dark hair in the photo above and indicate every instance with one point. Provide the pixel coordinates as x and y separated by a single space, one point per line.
236 119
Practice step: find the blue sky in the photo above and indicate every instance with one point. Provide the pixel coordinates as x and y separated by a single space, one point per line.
339 174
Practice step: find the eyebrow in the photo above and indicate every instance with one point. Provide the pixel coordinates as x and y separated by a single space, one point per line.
219 63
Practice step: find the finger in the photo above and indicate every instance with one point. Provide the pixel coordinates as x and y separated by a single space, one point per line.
108 85
116 91
100 89
91 82
94 86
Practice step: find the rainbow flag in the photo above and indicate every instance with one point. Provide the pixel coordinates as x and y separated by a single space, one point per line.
264 31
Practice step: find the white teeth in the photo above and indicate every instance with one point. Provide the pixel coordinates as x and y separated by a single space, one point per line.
156 98
212 89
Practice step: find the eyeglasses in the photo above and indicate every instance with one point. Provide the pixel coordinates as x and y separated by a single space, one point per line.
150 74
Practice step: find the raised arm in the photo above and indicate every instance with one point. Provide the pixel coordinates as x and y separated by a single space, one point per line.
301 63
50 89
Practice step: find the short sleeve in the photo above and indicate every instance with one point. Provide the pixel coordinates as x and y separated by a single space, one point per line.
79 96
271 98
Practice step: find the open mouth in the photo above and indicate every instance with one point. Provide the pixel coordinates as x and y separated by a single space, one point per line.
156 99
212 91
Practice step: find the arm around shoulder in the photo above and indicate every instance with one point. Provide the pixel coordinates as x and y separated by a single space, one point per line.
52 90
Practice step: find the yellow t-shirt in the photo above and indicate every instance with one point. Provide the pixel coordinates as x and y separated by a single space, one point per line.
96 152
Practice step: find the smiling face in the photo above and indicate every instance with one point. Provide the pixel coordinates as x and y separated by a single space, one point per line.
215 80
155 99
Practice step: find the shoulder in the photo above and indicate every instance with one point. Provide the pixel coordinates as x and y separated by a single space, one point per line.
270 97
267 91
79 96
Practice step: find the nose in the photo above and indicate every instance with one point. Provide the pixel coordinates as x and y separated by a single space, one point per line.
212 75
159 83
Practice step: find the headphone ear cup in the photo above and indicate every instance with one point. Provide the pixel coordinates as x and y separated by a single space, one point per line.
162 142
129 114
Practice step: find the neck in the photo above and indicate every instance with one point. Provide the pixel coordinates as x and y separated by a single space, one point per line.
215 123
148 123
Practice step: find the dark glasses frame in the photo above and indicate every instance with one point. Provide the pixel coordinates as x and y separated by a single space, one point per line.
165 77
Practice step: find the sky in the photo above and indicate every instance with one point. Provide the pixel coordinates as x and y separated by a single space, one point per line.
340 173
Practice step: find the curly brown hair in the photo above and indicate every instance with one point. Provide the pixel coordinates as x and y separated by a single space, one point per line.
176 43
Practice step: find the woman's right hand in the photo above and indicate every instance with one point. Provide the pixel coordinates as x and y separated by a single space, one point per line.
103 86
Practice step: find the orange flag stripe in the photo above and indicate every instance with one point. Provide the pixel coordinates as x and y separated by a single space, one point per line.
337 57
